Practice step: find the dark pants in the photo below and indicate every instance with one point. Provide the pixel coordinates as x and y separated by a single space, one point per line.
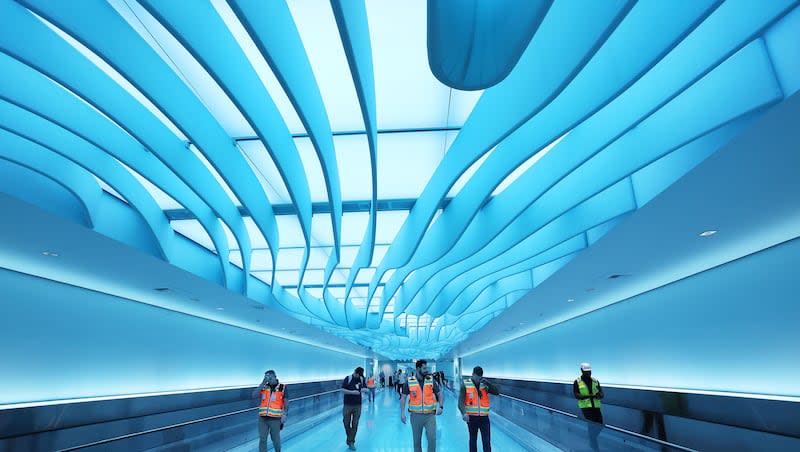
593 414
594 426
350 416
479 423
271 426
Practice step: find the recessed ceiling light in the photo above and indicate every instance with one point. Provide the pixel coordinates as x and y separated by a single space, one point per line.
708 233
50 253
570 300
162 289
220 309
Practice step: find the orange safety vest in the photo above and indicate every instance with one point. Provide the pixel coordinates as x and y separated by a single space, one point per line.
371 382
421 399
272 403
477 401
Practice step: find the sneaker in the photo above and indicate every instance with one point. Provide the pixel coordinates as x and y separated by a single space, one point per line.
352 447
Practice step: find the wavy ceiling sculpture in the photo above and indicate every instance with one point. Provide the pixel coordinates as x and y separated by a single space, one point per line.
309 147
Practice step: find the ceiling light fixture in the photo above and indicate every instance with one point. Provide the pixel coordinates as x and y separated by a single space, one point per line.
708 233
50 253
220 309
570 300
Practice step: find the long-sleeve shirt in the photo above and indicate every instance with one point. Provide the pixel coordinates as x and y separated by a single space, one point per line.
462 394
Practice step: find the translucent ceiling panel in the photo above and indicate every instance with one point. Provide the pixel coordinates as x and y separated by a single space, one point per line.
461 105
265 170
388 224
260 260
116 76
378 253
355 172
365 275
354 224
263 70
520 170
406 162
347 256
193 230
464 178
318 259
199 155
290 258
184 64
291 235
257 240
407 93
287 277
337 292
321 229
313 168
315 291
320 36
265 277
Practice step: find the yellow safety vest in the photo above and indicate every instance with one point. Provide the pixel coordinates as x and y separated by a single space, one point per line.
584 391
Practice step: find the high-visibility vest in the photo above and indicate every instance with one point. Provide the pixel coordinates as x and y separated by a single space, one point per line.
584 391
476 402
272 403
421 399
371 382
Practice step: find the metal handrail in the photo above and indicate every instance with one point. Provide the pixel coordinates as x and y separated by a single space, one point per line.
183 424
612 427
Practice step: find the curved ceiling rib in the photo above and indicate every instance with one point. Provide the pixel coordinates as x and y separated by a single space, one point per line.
351 18
49 136
579 148
494 117
239 119
29 41
622 60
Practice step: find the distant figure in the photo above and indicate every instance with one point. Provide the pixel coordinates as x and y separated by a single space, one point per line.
589 393
352 387
371 388
271 411
401 380
425 402
473 402
383 379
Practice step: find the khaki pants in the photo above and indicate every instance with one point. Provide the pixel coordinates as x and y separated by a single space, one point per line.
350 416
428 422
271 425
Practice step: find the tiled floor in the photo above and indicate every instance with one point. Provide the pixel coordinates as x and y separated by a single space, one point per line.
380 430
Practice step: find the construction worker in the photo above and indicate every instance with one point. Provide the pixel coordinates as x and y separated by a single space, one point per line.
589 393
473 402
425 402
371 388
272 411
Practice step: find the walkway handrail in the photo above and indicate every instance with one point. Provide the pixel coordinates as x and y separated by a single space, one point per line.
612 427
183 424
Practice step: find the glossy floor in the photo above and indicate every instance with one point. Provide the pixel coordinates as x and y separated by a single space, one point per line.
380 430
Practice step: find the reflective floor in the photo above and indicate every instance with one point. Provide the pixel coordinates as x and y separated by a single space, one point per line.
380 430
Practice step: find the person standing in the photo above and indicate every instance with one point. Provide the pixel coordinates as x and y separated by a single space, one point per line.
352 387
473 402
383 379
425 402
589 393
401 380
371 388
272 411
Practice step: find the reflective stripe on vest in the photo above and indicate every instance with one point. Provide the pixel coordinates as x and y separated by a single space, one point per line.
421 399
272 403
476 402
584 391
371 382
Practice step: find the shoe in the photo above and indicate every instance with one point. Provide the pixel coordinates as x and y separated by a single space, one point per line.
352 447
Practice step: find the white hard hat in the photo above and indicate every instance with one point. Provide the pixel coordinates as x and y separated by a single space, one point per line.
586 366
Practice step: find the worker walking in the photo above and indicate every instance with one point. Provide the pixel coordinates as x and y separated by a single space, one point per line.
589 393
352 387
371 388
425 402
272 411
473 402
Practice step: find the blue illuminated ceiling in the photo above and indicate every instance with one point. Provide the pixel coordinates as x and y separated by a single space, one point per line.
309 145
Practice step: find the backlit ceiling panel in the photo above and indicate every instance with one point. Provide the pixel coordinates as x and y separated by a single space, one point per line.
309 145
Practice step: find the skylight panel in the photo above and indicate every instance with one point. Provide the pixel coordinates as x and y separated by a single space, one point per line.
461 105
268 78
337 292
164 201
406 162
287 277
358 302
257 239
407 93
320 35
387 275
355 171
315 291
260 260
185 66
388 225
116 76
216 175
321 229
520 170
354 225
318 259
265 170
313 169
347 256
265 277
289 231
194 231
378 253
365 275
290 258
